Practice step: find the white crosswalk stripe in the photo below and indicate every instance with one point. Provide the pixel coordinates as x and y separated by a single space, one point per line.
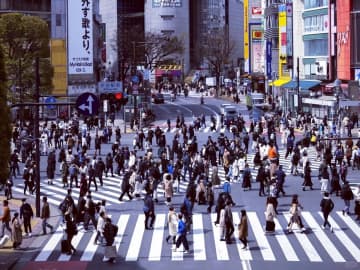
318 244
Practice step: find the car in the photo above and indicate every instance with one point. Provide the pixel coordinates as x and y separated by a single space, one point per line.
223 106
158 98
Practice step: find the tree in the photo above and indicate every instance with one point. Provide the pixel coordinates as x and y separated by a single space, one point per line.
5 128
24 38
159 48
216 50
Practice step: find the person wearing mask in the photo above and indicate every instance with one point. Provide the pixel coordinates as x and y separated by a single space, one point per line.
243 229
326 206
26 213
45 215
181 231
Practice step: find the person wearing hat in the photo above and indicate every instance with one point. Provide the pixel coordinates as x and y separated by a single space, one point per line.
26 213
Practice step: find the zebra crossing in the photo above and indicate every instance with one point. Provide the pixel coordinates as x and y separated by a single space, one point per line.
206 129
134 243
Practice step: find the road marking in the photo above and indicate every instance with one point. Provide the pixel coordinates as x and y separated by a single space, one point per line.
350 223
50 245
90 249
157 238
284 243
344 239
136 239
220 246
304 241
261 239
198 238
324 240
122 222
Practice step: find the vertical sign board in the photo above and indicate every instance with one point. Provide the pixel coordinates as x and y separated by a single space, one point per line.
246 36
80 37
282 39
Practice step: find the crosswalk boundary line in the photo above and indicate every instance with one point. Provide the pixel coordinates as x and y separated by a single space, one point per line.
322 237
245 254
198 238
50 245
122 223
157 238
306 244
220 246
350 223
136 239
261 239
344 239
284 243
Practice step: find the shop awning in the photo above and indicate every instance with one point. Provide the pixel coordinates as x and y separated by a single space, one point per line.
280 82
304 84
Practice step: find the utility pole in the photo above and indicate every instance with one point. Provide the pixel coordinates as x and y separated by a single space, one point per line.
37 137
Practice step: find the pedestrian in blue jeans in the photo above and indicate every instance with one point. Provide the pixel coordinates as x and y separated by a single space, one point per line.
181 235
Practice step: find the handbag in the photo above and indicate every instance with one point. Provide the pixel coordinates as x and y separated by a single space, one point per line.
110 252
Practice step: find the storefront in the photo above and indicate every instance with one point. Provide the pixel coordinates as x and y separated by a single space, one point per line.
168 73
319 107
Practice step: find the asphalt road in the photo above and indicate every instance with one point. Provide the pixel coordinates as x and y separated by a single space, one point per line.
139 249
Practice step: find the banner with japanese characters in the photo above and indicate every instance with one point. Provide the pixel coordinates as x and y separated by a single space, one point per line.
80 37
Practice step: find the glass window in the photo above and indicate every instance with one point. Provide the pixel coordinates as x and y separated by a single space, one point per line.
315 3
355 37
316 23
316 47
58 20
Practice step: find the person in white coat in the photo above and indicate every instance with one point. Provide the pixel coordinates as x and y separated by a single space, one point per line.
172 221
100 228
222 224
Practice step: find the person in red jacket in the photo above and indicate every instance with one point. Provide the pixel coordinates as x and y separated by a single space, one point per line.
5 218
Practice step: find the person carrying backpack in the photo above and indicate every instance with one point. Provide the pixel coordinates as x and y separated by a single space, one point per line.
327 206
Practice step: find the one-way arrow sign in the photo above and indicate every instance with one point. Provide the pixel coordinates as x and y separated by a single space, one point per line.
88 104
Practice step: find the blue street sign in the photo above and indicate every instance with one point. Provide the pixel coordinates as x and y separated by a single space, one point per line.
135 79
50 100
87 104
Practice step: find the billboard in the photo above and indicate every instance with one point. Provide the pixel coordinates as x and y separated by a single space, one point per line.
80 37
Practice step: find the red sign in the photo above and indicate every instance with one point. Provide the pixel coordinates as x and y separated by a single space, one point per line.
256 11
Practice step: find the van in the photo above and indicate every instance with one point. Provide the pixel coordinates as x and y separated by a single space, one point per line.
230 113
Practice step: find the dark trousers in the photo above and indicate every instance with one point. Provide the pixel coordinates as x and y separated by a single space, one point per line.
127 191
229 231
182 240
27 224
244 241
87 218
326 216
92 180
148 215
73 178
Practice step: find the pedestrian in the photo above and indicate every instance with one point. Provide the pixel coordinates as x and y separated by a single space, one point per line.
357 203
89 213
261 178
168 187
92 177
8 187
229 224
280 180
347 195
270 214
16 235
71 231
26 213
51 166
210 197
5 218
181 235
45 215
109 165
295 214
125 185
324 177
243 229
172 221
246 184
149 211
100 228
110 231
326 206
307 177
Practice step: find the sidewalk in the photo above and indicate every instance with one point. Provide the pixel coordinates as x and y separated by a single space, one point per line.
10 257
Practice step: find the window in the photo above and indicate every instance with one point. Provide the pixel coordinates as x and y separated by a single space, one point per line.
167 32
355 37
316 24
315 3
316 47
167 17
58 20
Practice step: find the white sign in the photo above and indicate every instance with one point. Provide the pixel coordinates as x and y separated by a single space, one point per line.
80 37
78 89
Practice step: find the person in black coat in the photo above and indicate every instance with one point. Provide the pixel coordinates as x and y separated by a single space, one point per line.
51 166
125 185
149 211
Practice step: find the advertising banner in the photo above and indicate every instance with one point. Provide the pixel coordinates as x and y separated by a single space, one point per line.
80 37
